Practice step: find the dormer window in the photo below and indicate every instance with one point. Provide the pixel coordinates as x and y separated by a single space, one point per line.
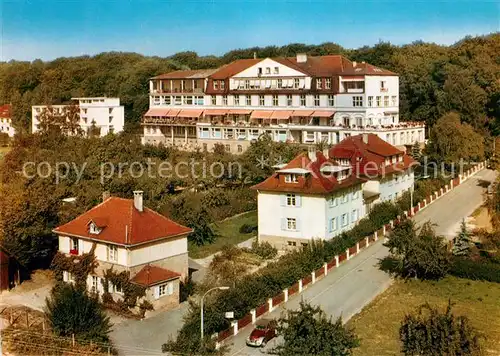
291 178
94 229
276 70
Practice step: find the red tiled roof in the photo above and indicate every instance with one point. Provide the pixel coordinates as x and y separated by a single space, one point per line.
5 111
183 74
313 183
123 224
235 67
151 275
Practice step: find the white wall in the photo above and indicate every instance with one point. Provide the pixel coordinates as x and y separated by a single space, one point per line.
354 203
284 71
150 253
6 126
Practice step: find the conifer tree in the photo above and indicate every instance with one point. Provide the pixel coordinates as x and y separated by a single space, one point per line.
462 242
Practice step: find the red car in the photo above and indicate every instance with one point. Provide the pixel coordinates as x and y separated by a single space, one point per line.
265 330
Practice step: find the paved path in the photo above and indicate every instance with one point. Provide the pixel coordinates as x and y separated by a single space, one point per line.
347 289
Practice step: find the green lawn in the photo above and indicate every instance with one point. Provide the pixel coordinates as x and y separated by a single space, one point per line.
228 234
378 323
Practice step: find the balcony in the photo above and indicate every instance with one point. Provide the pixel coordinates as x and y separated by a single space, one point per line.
177 91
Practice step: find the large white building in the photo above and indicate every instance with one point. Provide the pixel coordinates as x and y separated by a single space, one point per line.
321 195
298 99
105 115
6 120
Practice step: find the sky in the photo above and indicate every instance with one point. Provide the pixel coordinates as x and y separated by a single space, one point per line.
48 29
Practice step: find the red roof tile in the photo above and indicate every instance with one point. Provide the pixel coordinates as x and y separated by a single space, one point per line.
5 111
183 74
151 275
123 224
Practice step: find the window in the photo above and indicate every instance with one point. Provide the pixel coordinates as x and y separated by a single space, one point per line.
370 101
118 289
95 283
334 201
165 289
290 200
394 100
112 253
357 101
268 70
227 148
236 100
216 85
345 198
74 244
214 100
302 100
316 100
354 216
93 229
382 86
276 70
386 100
248 100
280 83
291 178
333 224
296 83
240 148
259 70
291 224
319 83
292 243
331 100
224 100
68 277
261 100
289 100
378 100
328 83
345 220
275 100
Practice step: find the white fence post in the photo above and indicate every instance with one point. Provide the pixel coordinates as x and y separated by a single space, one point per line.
285 292
234 324
325 268
347 253
300 285
254 315
337 261
313 277
270 304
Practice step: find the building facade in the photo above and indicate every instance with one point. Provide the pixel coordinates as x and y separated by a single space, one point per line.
303 99
126 236
6 120
101 116
320 195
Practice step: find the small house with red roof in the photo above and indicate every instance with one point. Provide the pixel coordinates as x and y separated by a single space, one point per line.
130 237
319 195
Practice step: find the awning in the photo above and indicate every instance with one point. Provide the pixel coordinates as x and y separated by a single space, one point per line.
157 112
190 113
240 111
216 112
261 114
323 113
281 115
173 112
302 113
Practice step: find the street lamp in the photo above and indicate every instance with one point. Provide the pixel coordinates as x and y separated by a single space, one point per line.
201 312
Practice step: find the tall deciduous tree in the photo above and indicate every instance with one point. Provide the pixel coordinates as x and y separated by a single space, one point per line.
308 331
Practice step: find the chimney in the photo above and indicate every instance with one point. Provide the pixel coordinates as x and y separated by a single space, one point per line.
138 200
106 195
301 57
365 138
354 64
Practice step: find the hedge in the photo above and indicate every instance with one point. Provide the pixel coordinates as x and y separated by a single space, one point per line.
482 269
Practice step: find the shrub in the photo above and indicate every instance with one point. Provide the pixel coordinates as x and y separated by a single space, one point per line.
430 332
264 250
482 269
247 228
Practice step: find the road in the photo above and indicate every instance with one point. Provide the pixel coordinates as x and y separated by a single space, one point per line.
347 289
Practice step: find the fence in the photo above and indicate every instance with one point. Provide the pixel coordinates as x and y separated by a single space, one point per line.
313 277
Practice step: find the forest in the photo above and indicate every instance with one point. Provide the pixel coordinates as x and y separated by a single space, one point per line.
434 79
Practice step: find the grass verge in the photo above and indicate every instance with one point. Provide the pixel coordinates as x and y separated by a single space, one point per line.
378 323
228 233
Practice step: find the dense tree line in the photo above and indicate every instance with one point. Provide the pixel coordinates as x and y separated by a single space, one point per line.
434 79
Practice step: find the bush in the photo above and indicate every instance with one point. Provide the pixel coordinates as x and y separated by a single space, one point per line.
482 269
264 250
247 228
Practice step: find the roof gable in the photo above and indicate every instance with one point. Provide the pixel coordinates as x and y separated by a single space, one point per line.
268 67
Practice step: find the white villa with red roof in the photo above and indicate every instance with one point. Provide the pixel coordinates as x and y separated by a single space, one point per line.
130 237
6 120
320 195
302 99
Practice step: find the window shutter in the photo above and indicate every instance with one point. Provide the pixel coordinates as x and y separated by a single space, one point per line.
170 288
297 223
283 199
298 200
156 291
330 225
283 223
110 287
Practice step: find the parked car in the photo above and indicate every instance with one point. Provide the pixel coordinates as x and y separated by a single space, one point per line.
265 330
